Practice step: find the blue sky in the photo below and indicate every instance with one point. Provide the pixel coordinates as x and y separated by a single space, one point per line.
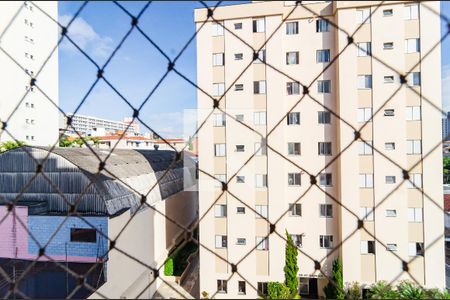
138 66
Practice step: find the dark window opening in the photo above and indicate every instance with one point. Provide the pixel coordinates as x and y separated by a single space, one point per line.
84 235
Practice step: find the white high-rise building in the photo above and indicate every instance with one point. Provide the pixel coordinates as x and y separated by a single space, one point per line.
27 38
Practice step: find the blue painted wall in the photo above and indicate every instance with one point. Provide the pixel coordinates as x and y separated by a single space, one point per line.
43 227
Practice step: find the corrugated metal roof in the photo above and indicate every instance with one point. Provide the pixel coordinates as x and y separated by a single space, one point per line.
71 172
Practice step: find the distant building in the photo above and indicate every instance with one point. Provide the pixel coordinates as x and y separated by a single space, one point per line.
104 204
88 124
139 142
446 127
29 40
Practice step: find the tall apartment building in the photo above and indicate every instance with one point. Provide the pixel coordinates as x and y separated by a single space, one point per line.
446 127
28 36
84 124
356 187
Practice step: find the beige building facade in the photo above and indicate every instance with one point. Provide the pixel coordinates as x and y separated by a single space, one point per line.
400 233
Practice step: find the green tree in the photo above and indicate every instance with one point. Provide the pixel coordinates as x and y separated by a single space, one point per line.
382 290
8 145
437 294
354 291
278 290
168 267
335 288
291 266
446 165
409 290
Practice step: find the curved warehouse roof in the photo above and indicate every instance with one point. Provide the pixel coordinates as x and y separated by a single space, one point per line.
72 172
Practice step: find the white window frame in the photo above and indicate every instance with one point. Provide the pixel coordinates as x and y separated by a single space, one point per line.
217 29
413 147
259 118
292 58
364 81
261 180
324 116
415 214
323 147
323 210
220 150
366 213
219 120
415 178
366 181
220 240
364 114
293 118
326 241
412 248
292 148
391 247
218 89
323 56
390 179
262 210
292 28
389 148
259 87
364 248
259 25
260 149
324 86
294 177
391 213
298 240
219 179
322 25
365 147
218 59
411 12
412 45
388 45
326 179
220 210
364 49
413 113
363 16
262 243
293 88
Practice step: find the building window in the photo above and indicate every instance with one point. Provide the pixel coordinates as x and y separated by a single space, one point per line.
219 120
238 87
391 213
416 249
261 57
413 113
364 114
240 210
260 149
222 286
326 210
237 26
366 181
323 86
415 215
389 112
219 150
83 235
412 45
238 56
240 118
292 58
326 241
365 148
293 88
293 118
363 16
261 211
220 178
262 289
240 148
259 87
217 29
388 46
411 12
324 148
297 239
390 179
389 79
322 25
295 210
241 287
259 118
415 181
294 179
366 213
218 59
389 146
241 241
367 247
259 25
364 49
261 180
294 149
291 28
323 56
391 247
240 179
221 241
388 13
325 179
364 81
413 147
324 117
303 285
414 78
220 210
262 243
218 89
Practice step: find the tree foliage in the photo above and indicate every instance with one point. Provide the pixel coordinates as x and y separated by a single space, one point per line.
354 291
446 169
382 290
291 266
8 145
168 267
409 290
66 141
335 288
278 290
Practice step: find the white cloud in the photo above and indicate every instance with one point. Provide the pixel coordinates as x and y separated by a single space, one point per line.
84 35
446 87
